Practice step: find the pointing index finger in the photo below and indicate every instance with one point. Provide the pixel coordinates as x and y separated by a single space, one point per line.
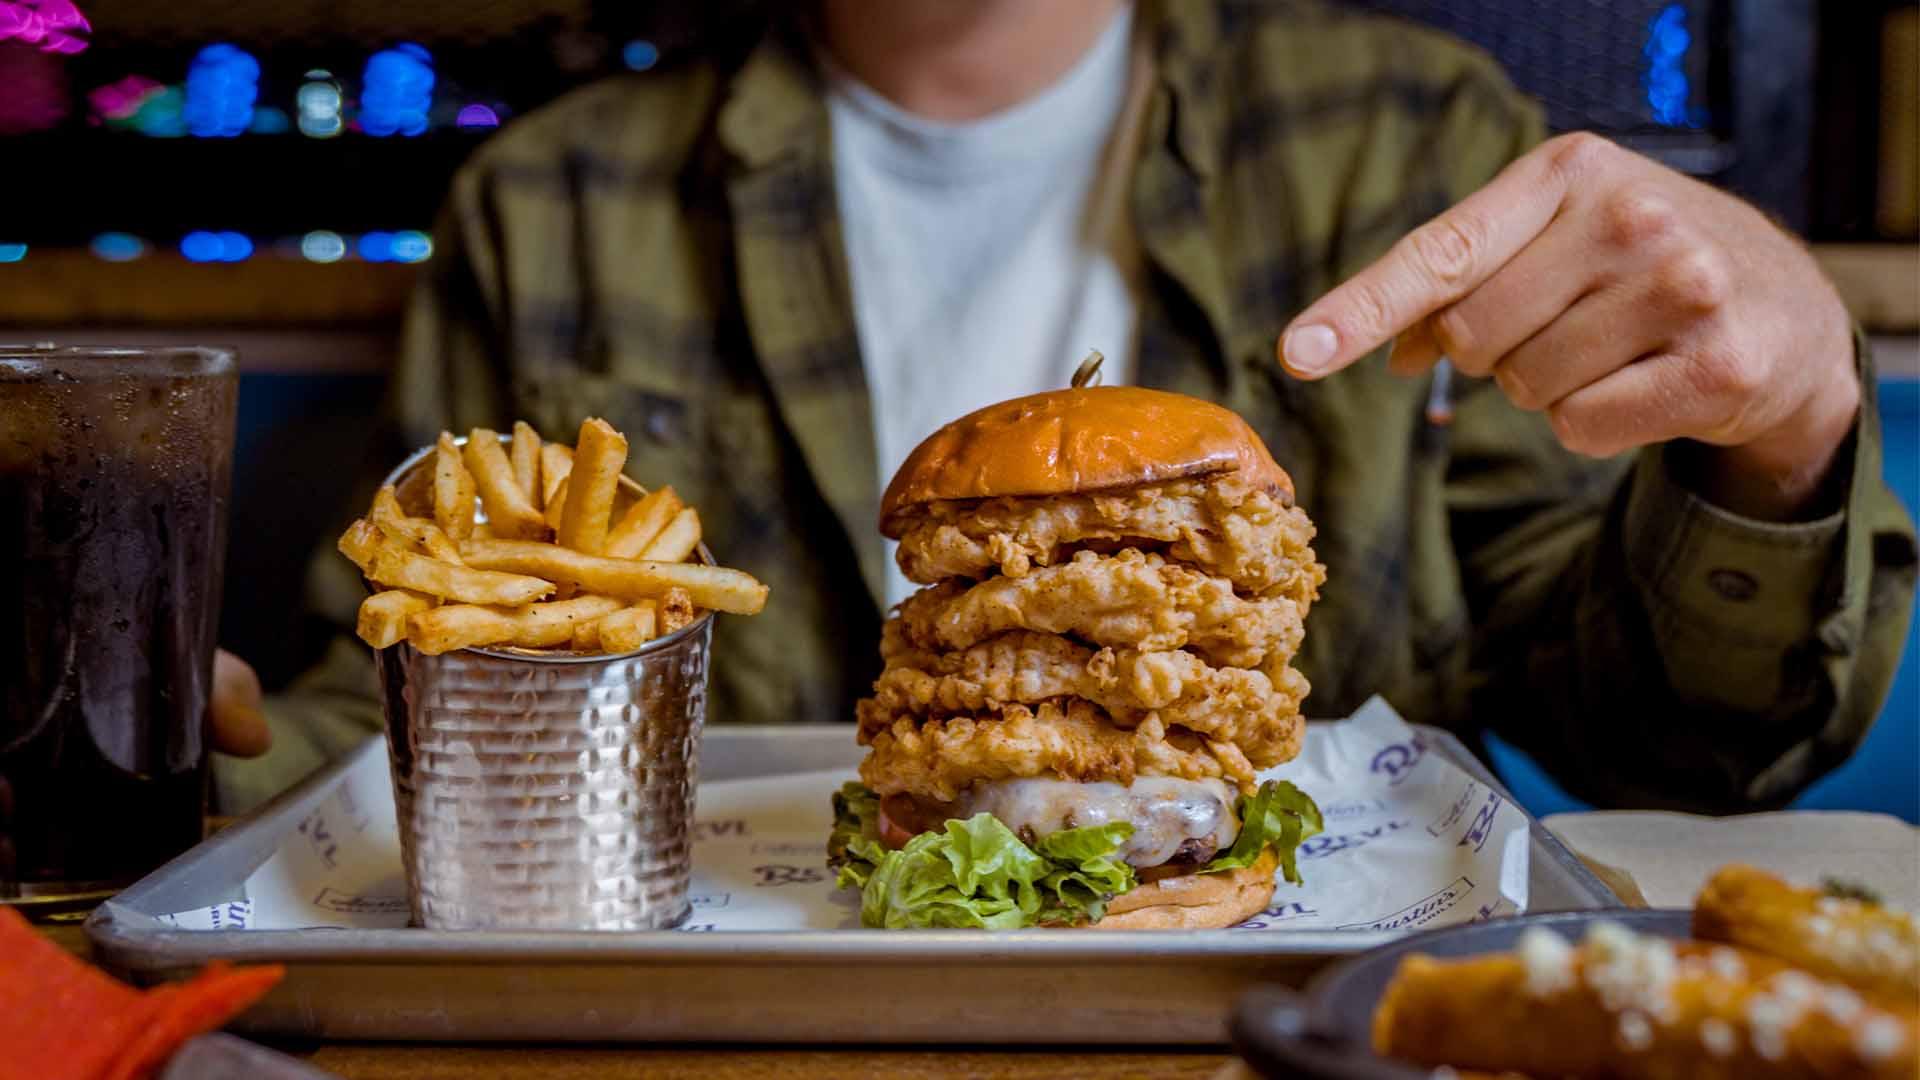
1428 269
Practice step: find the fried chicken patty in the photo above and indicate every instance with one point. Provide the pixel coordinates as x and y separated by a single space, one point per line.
1068 738
1220 524
1255 709
1131 599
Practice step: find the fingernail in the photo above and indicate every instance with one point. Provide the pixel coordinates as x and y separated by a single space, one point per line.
1309 349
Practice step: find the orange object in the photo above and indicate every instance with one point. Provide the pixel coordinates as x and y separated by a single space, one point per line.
1071 441
62 1019
1875 949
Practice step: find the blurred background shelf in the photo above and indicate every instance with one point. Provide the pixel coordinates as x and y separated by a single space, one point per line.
66 288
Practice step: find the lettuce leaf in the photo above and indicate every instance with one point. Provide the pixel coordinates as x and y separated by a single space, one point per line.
978 873
1278 815
1087 874
853 847
974 873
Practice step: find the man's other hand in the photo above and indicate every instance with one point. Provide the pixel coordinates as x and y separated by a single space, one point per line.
1632 305
239 726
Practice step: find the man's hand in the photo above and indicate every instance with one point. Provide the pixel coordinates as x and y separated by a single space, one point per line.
239 727
1632 304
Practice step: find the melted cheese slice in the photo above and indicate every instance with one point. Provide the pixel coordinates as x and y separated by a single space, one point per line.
1165 812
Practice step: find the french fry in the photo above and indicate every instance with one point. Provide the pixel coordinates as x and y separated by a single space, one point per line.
360 543
453 490
526 462
586 634
509 510
715 587
556 461
642 522
534 626
547 565
597 460
383 616
677 540
397 568
394 521
676 610
627 629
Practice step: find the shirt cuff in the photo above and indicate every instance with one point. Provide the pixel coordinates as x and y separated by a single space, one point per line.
1755 585
1754 588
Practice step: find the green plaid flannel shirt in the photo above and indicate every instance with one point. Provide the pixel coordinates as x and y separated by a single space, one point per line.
662 250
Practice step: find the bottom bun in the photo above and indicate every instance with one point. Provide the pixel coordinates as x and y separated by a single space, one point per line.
1194 901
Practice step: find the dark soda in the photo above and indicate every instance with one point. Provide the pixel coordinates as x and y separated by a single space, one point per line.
114 476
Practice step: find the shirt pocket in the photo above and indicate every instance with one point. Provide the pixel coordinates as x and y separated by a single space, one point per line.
663 427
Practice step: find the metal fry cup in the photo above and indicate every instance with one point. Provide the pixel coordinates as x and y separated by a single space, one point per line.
545 790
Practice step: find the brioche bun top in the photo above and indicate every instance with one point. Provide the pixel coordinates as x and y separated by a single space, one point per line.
1079 440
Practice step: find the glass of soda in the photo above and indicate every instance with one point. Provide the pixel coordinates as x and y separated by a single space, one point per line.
115 466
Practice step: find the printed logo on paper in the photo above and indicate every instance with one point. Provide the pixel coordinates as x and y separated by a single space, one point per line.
1482 826
1278 914
1456 811
1398 760
1334 843
1420 912
723 829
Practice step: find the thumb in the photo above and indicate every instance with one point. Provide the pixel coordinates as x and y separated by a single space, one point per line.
239 725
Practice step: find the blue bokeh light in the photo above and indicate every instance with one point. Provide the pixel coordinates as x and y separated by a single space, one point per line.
203 246
1668 89
397 91
235 247
200 246
323 246
269 120
118 247
317 104
640 54
411 246
222 84
12 253
376 247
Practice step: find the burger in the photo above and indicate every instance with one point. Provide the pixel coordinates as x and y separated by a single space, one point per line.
1074 708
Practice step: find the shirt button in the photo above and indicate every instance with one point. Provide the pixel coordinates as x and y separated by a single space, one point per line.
1735 585
660 426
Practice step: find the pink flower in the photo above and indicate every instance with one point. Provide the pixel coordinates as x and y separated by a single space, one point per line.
49 24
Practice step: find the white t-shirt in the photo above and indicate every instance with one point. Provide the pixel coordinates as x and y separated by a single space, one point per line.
974 275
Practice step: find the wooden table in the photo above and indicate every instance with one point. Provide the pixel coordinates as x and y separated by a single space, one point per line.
391 1061
374 1062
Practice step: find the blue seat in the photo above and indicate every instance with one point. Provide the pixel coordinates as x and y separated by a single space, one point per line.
1884 774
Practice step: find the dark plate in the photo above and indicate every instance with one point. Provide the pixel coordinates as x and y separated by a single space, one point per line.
1325 1032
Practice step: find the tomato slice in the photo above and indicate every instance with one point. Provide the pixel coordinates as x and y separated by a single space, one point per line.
898 820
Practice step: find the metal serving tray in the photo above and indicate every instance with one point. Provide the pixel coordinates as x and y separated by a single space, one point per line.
819 986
